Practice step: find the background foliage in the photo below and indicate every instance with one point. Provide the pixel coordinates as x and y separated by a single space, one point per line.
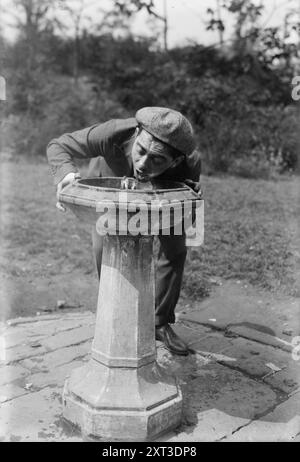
237 94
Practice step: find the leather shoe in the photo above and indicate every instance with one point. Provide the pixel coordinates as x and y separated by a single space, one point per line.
171 340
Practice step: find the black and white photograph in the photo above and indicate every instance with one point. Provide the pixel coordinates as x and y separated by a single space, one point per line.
149 223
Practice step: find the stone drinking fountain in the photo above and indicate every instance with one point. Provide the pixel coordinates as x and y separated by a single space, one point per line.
122 393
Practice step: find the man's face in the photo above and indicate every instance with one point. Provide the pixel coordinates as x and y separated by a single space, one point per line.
150 156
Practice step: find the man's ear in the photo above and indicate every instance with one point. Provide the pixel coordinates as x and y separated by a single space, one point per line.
177 161
137 131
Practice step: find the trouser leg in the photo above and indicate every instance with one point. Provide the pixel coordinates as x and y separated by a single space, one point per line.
169 266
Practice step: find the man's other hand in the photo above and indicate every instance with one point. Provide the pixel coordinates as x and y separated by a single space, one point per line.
195 186
69 178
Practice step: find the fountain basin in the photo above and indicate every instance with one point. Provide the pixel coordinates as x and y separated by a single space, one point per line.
161 205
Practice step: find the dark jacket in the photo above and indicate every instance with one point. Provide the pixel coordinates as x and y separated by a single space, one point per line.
109 144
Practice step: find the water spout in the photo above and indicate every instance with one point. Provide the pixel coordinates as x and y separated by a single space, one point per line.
128 183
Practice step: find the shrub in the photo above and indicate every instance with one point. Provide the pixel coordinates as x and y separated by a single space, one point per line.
63 107
240 109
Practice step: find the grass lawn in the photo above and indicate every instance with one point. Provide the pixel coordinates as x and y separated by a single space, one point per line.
251 234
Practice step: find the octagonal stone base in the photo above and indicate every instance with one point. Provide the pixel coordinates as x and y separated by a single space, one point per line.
122 404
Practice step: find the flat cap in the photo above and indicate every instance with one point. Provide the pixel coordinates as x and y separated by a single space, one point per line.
169 126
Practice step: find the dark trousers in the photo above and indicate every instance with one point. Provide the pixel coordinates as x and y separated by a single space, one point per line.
169 258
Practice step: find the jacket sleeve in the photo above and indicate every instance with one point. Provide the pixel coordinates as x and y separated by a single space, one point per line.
90 142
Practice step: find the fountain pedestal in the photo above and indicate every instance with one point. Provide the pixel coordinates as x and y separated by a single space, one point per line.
121 393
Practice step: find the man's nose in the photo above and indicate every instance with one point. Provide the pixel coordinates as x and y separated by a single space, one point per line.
143 164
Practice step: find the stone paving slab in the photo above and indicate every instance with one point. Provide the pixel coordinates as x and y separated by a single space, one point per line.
260 431
261 361
48 361
62 325
287 380
282 424
250 333
261 337
219 401
70 337
49 342
10 391
212 425
85 316
9 374
285 411
32 319
40 326
191 335
54 378
216 401
19 338
276 367
12 355
242 310
212 343
34 417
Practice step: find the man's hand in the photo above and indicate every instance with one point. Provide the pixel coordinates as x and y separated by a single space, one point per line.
69 178
195 186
